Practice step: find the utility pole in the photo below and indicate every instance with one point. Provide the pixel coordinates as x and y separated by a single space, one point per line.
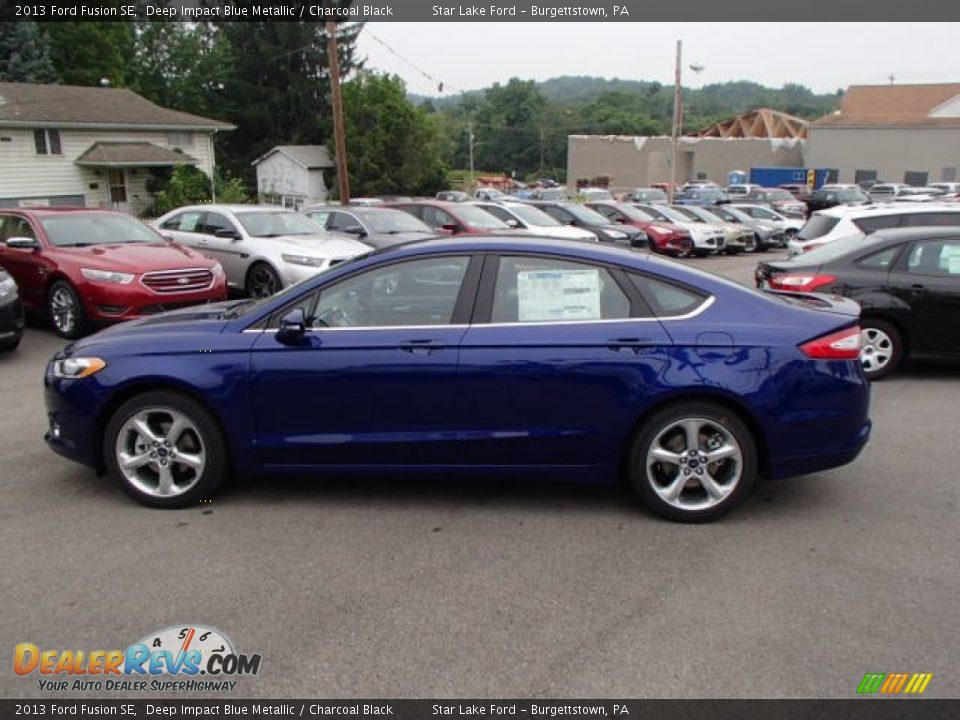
677 120
541 150
470 141
339 132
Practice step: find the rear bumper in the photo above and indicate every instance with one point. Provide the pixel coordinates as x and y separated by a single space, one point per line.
782 468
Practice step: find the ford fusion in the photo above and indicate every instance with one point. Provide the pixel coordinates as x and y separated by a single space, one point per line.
510 356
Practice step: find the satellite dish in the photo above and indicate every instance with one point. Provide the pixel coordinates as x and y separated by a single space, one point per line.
104 82
696 67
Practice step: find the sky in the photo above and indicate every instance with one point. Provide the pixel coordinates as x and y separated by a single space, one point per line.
822 56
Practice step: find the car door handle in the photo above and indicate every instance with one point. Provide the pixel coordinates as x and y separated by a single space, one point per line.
421 347
629 343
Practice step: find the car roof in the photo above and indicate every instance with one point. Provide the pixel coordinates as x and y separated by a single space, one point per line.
64 210
932 232
235 208
844 211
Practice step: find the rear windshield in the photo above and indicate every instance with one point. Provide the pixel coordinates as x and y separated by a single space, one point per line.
828 252
817 226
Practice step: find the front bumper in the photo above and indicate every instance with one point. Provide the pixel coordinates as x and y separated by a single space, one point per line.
11 321
111 303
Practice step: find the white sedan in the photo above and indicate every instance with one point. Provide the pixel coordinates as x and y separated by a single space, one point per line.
262 248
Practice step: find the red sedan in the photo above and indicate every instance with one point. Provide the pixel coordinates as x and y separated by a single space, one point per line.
665 237
90 267
453 218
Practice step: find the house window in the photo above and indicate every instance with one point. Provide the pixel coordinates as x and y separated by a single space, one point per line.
179 139
948 174
912 177
292 201
47 142
865 176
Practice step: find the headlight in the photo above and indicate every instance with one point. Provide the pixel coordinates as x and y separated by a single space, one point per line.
304 260
7 287
77 367
107 276
616 234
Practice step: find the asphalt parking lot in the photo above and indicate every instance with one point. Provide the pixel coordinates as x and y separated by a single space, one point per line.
412 588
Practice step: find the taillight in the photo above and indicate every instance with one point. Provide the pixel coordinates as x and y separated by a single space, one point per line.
808 247
800 283
842 345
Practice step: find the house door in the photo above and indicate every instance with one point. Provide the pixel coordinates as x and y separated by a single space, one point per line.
117 179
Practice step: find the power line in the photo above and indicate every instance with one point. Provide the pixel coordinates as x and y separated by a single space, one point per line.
441 85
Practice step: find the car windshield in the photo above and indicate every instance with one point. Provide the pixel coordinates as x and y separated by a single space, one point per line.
586 215
850 194
78 230
533 216
667 214
479 218
689 214
775 195
650 195
761 212
633 213
394 221
817 226
268 223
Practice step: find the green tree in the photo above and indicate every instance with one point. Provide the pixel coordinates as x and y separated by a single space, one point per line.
85 53
393 146
25 54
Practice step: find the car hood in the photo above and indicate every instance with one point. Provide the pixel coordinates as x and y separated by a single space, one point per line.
135 257
323 245
561 232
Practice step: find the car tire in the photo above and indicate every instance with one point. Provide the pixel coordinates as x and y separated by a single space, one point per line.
670 467
882 348
140 451
262 281
65 311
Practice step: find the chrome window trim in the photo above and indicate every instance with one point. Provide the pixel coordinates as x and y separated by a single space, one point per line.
687 316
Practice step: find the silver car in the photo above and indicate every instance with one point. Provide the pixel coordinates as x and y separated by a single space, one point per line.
379 227
262 248
526 217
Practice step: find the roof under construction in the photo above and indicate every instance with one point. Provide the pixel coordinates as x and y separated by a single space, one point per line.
762 123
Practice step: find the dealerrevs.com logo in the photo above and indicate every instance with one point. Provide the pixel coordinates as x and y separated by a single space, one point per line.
187 659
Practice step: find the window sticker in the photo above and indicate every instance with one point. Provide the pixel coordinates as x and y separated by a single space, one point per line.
546 295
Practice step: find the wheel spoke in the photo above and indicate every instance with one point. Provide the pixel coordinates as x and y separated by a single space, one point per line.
714 489
721 453
166 487
176 429
190 460
663 455
691 430
146 432
131 462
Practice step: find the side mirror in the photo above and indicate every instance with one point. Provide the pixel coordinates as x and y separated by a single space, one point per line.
450 227
23 243
293 326
571 223
512 223
622 220
355 230
225 233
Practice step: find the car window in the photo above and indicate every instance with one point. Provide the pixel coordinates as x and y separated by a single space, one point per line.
341 221
320 217
499 212
416 292
667 299
880 260
189 221
437 218
935 257
13 226
935 218
537 290
882 222
558 214
215 221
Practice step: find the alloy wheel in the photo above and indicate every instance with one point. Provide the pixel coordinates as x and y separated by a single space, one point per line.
63 309
160 452
694 463
263 282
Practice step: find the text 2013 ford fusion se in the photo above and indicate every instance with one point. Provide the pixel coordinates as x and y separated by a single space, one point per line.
510 356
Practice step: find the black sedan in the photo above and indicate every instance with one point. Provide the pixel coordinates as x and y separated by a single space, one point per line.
11 312
907 282
575 215
831 197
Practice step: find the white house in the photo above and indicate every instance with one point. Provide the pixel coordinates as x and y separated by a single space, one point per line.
292 175
92 146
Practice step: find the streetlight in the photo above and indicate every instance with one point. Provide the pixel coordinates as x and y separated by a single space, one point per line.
678 117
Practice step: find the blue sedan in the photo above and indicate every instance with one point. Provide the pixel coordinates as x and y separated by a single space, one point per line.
505 356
